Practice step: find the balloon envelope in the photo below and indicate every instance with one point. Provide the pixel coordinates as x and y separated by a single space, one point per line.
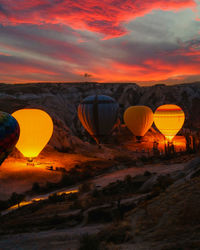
36 128
138 119
98 115
169 119
9 134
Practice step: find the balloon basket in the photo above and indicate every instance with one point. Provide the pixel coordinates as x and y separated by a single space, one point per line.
31 164
139 139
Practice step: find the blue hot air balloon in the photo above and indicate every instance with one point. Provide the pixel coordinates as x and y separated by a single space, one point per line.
9 134
98 115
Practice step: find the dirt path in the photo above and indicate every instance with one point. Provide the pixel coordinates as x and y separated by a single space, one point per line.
120 174
104 180
68 239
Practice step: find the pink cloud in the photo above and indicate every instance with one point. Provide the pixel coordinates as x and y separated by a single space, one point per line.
106 16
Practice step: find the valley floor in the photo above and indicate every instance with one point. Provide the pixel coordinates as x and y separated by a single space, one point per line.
67 236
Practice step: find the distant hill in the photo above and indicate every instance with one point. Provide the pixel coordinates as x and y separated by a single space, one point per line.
60 100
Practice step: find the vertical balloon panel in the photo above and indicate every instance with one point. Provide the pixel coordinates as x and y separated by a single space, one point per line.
84 113
108 114
98 115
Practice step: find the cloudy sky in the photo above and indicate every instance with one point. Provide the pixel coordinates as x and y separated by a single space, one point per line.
141 41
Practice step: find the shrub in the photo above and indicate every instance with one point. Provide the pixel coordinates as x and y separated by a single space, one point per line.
128 179
72 196
85 187
96 193
67 180
76 205
55 220
56 198
147 173
100 215
16 198
36 187
164 181
89 242
50 185
4 205
116 234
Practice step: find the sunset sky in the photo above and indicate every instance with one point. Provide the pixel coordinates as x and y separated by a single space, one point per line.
141 41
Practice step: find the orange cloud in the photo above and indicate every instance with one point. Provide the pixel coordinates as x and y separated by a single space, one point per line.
51 49
150 70
106 16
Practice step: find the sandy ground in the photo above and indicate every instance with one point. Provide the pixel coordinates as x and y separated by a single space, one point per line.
17 176
104 180
58 240
68 239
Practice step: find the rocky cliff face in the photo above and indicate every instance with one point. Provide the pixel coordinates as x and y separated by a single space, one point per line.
61 100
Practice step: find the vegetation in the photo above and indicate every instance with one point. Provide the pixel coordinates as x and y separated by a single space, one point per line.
165 214
76 175
85 187
89 242
15 199
86 171
116 233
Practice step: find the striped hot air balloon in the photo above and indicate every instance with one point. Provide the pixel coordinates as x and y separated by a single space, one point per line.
169 119
9 134
98 115
138 119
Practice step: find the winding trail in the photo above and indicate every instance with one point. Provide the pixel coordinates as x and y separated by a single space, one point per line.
103 180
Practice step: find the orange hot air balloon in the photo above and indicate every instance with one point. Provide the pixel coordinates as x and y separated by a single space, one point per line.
36 128
169 119
138 119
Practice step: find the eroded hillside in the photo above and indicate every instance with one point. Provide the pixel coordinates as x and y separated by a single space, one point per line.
60 100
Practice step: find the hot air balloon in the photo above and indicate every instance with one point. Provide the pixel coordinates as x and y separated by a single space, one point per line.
169 119
36 128
9 134
138 119
98 115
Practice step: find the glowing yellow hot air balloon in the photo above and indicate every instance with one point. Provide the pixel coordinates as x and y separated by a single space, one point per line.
169 119
138 119
36 128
